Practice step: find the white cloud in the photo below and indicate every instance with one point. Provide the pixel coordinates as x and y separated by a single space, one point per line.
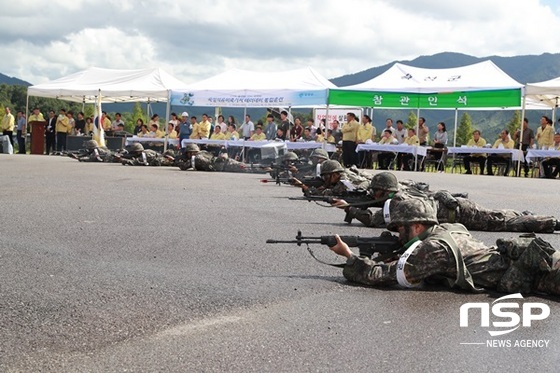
196 39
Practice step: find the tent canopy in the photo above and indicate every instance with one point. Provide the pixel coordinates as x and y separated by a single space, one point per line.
547 92
241 88
143 85
479 85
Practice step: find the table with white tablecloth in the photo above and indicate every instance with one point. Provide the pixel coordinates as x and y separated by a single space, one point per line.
533 154
410 149
516 154
151 140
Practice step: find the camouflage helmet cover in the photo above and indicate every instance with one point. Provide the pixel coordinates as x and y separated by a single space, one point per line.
330 166
290 156
384 181
91 144
192 148
320 153
411 210
136 147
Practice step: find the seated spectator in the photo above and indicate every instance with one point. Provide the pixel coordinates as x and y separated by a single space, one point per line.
143 131
280 136
385 158
259 135
232 134
171 132
400 132
404 159
217 134
155 132
475 142
504 142
551 166
88 129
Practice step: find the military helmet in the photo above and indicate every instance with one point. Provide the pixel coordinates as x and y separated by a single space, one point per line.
411 210
320 153
330 166
290 156
192 148
91 144
384 181
136 147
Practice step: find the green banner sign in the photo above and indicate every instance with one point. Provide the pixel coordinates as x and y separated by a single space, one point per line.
451 100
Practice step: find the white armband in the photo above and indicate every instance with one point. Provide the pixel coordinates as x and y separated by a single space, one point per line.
401 277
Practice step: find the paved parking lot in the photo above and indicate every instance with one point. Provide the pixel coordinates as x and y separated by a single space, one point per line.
112 268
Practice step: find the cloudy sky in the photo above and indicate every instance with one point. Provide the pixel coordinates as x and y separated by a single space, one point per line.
195 39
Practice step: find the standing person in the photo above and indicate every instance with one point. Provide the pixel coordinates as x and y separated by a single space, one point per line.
106 122
50 134
222 123
21 132
389 126
349 137
423 132
118 120
8 124
297 131
270 129
400 132
247 128
37 116
71 122
138 127
284 125
175 121
62 127
337 134
527 141
203 128
80 126
440 142
365 132
545 133
185 128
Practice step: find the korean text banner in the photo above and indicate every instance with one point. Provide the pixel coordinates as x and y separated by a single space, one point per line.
283 98
441 100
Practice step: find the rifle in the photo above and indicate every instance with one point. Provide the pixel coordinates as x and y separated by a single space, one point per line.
359 198
311 181
378 248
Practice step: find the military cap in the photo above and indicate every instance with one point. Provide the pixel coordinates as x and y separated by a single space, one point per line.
192 148
320 153
290 156
136 147
91 144
411 210
330 166
384 181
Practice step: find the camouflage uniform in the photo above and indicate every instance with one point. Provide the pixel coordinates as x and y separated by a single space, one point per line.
452 209
448 254
349 181
468 213
206 161
147 157
93 153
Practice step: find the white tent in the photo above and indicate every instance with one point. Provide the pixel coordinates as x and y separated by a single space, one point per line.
403 78
114 86
241 88
547 92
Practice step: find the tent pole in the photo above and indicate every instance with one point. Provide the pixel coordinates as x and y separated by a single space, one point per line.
524 98
24 130
418 135
455 131
325 135
167 111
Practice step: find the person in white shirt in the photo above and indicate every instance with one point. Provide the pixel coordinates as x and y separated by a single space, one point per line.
400 132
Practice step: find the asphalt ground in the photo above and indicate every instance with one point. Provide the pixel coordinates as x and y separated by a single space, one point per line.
107 268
